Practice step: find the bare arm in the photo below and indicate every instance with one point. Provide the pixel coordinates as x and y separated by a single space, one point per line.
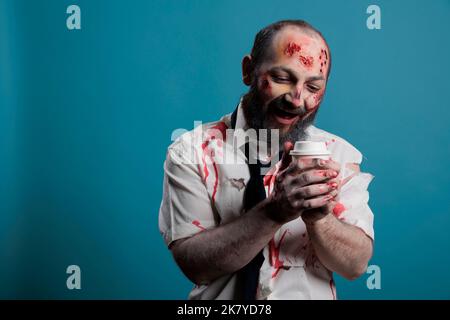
341 247
225 249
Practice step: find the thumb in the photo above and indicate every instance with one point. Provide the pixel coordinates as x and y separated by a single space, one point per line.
287 158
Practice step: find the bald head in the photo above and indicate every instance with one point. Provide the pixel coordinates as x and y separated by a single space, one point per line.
273 37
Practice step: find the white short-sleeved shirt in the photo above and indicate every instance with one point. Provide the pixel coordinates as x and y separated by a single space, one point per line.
204 184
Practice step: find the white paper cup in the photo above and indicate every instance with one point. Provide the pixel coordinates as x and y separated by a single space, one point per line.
310 149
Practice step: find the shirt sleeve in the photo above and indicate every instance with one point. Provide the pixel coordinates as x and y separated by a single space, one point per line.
353 201
353 207
186 205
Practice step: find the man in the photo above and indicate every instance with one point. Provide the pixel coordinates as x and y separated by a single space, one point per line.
312 218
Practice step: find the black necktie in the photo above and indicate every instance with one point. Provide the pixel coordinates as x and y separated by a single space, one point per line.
254 193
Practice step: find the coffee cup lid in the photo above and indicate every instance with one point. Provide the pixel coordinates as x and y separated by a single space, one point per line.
310 148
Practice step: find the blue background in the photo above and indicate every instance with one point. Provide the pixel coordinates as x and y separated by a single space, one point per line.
86 117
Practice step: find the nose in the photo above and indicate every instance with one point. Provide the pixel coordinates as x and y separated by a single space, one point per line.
295 96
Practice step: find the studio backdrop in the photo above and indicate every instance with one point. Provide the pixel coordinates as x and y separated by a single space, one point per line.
89 104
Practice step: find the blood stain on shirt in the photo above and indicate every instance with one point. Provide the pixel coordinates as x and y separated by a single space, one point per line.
338 209
205 167
330 142
269 178
221 127
216 182
198 225
267 181
274 255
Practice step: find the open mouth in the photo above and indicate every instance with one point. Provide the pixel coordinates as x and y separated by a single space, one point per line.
284 117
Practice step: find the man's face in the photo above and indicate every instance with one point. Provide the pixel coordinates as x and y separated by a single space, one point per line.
291 82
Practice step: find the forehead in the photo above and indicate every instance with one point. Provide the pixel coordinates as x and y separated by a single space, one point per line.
292 37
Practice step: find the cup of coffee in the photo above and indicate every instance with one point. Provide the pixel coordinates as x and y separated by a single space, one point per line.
310 149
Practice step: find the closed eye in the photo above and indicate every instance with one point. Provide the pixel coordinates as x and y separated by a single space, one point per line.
281 79
313 88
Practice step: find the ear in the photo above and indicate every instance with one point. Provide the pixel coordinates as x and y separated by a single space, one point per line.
247 70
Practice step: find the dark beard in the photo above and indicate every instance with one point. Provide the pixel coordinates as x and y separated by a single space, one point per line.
256 117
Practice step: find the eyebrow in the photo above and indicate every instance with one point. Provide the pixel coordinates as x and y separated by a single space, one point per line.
292 74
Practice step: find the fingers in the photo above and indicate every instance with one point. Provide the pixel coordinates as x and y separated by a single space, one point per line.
312 177
311 163
332 165
297 167
299 203
314 190
320 201
287 158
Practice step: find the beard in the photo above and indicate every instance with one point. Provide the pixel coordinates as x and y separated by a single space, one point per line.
257 116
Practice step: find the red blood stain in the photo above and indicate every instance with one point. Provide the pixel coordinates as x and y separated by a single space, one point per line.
321 173
198 225
332 289
330 142
205 167
332 184
222 127
274 255
307 61
216 182
292 48
269 179
323 58
318 97
266 181
338 209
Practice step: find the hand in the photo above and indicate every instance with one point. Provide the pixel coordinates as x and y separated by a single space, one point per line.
309 184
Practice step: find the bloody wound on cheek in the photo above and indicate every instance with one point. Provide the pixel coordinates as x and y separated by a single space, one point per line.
318 97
